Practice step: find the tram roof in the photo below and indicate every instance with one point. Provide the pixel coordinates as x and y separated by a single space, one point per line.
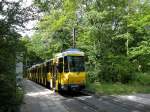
70 52
48 60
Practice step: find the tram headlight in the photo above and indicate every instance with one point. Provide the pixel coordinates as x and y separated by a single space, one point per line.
64 87
82 82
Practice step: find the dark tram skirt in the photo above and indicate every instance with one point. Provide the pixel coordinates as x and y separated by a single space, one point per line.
72 87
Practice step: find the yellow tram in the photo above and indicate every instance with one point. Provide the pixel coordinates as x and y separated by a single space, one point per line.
66 71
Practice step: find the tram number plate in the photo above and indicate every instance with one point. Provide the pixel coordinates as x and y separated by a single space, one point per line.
74 86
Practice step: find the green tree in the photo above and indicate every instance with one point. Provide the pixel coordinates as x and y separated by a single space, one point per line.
106 36
12 17
113 34
138 25
55 27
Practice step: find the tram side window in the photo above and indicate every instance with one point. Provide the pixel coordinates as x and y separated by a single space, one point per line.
47 67
51 67
60 65
44 70
66 69
38 72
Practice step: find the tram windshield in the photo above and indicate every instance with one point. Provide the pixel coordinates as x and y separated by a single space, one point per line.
76 63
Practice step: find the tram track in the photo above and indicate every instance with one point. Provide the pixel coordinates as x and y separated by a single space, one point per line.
126 105
93 107
76 103
84 104
130 105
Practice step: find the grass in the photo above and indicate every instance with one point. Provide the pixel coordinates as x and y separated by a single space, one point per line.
19 96
117 88
143 78
18 99
141 84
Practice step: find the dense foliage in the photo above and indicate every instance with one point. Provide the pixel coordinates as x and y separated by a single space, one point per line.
114 34
12 17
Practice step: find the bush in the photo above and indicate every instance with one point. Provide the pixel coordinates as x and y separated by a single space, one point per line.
143 78
7 94
117 69
93 72
111 69
10 96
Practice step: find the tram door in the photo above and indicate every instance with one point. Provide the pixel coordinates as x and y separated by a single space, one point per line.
60 71
53 69
52 75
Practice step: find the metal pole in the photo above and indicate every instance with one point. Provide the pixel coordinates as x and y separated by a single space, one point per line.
74 45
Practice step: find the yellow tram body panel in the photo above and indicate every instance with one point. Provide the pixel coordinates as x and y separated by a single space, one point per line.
73 78
49 76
